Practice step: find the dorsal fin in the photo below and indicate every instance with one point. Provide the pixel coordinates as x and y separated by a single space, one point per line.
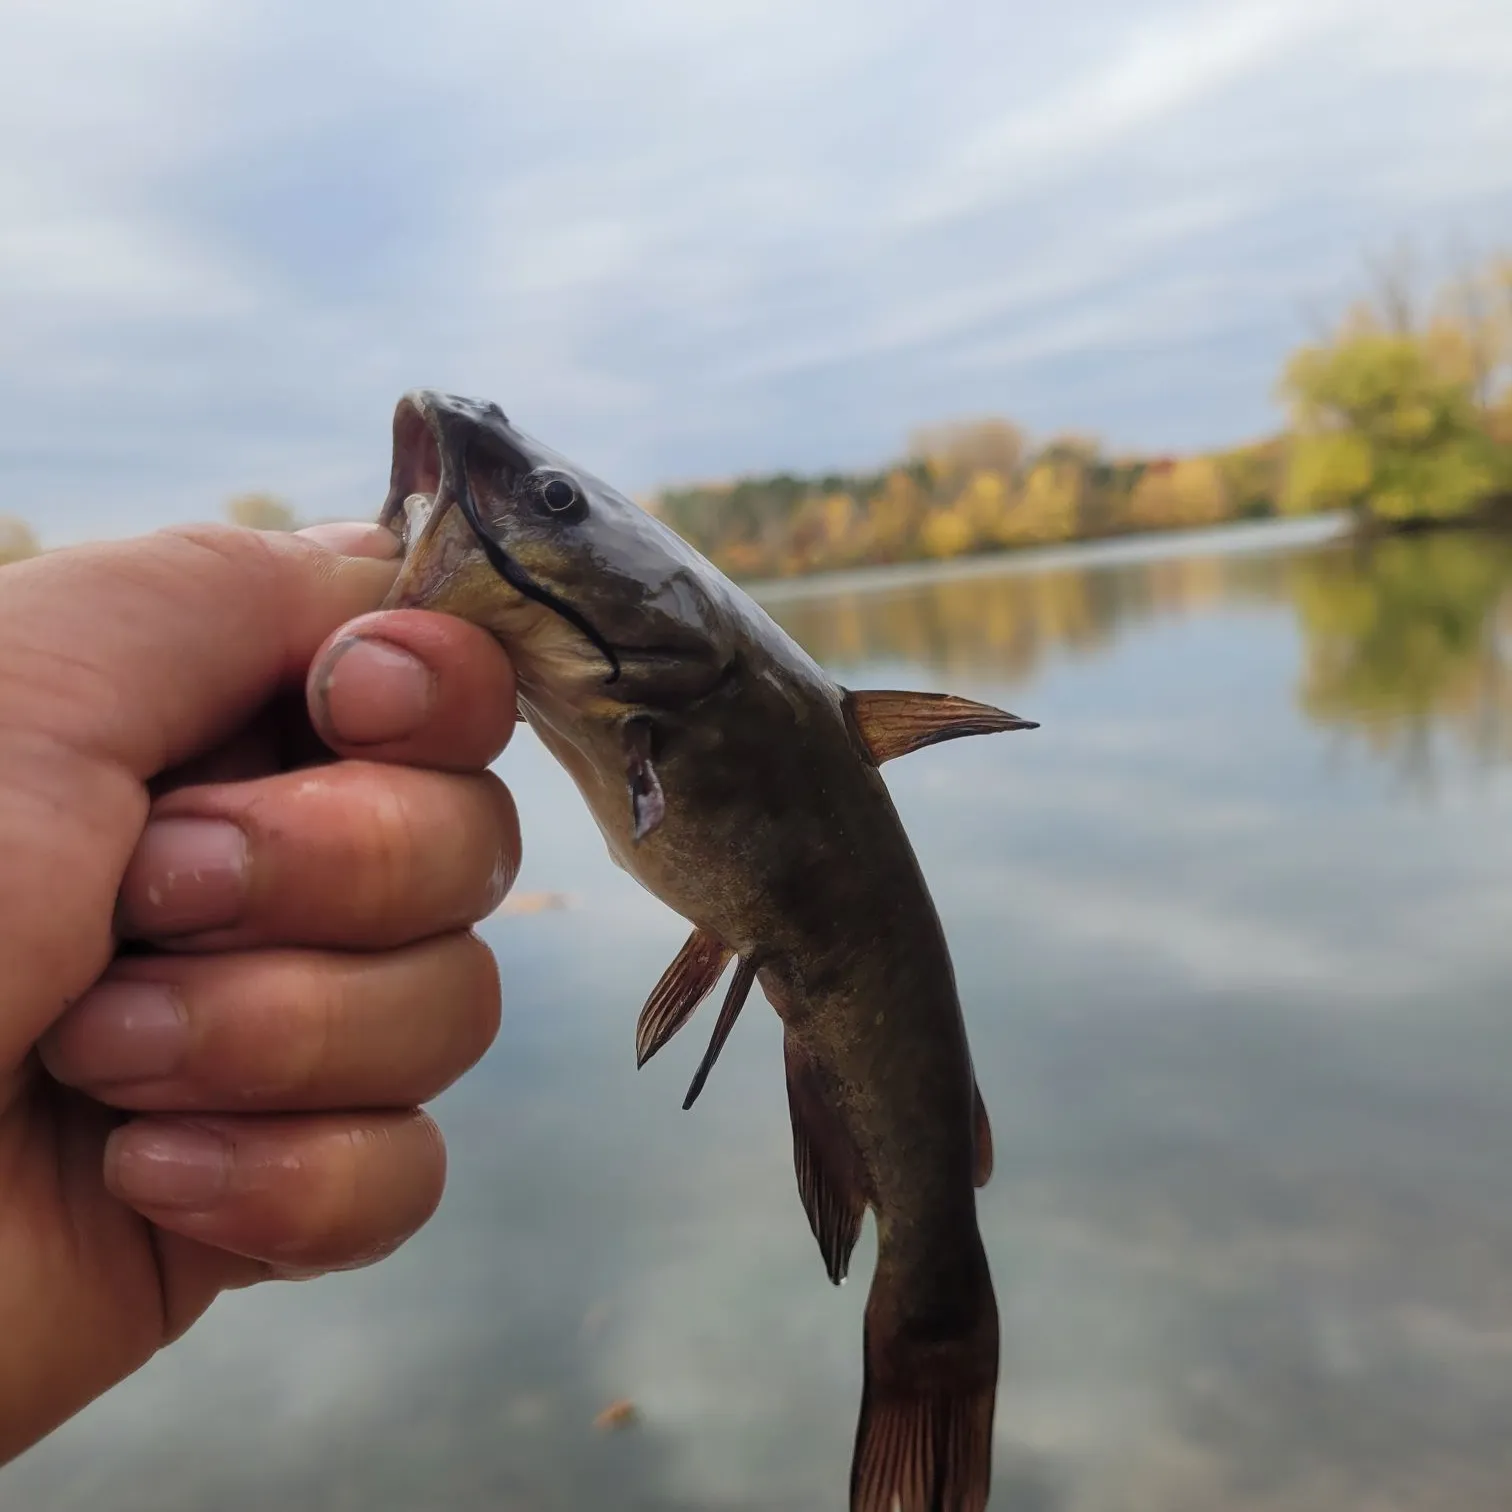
683 986
894 723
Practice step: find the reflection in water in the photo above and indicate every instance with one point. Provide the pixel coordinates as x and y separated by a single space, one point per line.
1402 637
1405 635
1004 626
1239 1017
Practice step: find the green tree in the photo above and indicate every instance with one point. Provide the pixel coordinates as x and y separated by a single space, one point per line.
1252 476
1387 425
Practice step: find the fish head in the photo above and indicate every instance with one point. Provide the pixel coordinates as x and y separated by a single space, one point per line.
594 598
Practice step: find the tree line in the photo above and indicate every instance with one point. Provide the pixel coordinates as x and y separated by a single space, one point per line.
1400 413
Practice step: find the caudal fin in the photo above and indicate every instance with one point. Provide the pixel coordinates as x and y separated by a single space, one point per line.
924 1441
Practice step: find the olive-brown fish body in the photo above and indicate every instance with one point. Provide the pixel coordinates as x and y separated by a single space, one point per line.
735 780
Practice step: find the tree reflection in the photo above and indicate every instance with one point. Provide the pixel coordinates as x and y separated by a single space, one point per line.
1005 627
1404 637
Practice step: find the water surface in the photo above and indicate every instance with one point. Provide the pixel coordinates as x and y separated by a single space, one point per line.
1232 933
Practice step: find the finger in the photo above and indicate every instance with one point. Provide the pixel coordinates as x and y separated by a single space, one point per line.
118 661
298 1191
149 651
408 685
355 855
280 1030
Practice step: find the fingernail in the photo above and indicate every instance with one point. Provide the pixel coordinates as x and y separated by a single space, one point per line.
354 538
371 692
187 875
123 1032
167 1165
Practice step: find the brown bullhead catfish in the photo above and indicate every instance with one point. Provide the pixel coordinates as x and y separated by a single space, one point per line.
738 782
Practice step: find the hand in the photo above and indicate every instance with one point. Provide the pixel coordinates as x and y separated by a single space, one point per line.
235 1096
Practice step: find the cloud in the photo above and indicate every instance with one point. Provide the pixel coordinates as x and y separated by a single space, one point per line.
694 242
1159 69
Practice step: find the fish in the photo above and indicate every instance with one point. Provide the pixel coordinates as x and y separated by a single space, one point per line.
739 783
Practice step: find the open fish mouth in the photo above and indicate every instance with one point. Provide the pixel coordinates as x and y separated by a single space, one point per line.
426 482
416 476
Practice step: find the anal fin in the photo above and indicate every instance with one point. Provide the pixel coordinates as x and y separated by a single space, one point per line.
740 988
683 986
982 1174
831 1179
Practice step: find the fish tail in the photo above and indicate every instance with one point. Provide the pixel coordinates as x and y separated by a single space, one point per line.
924 1441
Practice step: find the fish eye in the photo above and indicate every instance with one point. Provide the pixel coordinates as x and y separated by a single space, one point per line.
559 494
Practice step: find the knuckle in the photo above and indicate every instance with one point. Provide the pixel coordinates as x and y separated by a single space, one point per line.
385 855
304 1054
237 552
323 1200
280 1050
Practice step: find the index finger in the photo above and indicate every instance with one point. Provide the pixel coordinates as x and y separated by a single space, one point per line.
147 651
117 661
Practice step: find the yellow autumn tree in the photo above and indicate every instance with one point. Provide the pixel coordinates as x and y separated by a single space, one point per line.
945 532
259 511
1187 492
821 533
17 540
969 521
895 516
984 503
1045 509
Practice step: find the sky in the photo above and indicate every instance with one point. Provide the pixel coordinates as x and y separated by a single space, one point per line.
678 240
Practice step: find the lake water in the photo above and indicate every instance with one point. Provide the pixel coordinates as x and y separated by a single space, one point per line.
1233 931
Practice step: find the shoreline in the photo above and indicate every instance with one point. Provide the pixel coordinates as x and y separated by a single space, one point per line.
1228 539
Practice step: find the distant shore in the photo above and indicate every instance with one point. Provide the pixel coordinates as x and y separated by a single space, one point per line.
1146 546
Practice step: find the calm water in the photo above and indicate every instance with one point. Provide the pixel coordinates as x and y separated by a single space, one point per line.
1234 938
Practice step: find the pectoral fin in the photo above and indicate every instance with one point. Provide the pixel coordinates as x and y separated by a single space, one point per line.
740 987
648 804
831 1180
893 724
683 986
